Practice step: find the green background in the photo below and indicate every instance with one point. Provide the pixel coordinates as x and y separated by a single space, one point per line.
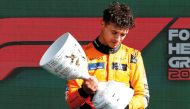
34 88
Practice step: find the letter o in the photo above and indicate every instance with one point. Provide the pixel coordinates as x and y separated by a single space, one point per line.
184 35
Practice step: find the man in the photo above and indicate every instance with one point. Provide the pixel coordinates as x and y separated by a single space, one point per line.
110 60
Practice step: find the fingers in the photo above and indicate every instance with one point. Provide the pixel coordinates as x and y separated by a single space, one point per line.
90 86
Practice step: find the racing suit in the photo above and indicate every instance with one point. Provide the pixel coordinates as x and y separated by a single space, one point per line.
122 64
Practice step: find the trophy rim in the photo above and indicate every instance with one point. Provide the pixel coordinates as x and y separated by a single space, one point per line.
57 44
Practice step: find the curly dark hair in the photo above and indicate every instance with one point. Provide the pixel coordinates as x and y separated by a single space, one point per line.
119 14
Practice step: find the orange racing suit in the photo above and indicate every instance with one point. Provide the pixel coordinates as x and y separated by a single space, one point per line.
122 64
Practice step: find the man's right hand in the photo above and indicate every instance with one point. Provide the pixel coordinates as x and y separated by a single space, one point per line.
90 85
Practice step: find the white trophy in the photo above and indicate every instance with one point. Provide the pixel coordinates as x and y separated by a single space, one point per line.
66 59
112 95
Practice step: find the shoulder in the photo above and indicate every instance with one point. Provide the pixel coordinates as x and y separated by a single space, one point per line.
89 49
133 53
130 50
87 46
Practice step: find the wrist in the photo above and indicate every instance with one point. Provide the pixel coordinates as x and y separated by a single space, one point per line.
82 93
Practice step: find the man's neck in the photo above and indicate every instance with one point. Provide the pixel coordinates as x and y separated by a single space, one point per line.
100 46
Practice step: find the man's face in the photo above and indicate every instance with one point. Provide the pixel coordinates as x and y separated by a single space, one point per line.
111 35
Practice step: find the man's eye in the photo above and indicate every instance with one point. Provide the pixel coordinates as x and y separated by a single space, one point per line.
122 35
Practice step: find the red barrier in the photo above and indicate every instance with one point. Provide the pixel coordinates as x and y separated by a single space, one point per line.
48 29
182 23
20 56
84 29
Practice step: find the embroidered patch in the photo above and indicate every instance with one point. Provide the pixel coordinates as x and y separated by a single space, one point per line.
94 66
133 59
118 66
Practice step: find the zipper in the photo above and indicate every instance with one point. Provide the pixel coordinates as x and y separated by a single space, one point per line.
107 67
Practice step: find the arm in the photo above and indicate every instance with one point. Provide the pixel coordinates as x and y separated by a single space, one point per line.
74 98
79 91
139 83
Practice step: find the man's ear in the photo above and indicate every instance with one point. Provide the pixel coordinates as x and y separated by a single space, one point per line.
103 23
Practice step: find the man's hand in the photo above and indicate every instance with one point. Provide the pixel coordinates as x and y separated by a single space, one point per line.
90 85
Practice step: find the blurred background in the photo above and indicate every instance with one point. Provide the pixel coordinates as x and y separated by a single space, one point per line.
30 87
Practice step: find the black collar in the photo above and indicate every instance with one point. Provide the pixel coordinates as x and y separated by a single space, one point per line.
104 49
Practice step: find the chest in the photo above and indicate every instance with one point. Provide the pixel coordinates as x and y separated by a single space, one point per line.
110 67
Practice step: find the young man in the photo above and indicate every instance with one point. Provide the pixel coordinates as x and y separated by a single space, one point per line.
110 60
